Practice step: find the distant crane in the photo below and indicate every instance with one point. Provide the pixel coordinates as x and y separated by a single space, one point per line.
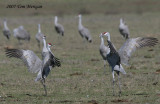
103 50
21 34
123 29
34 64
6 31
58 27
39 35
123 55
84 32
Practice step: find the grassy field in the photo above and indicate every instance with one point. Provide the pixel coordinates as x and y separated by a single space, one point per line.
80 79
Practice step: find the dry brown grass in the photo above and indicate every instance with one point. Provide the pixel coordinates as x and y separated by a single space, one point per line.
80 80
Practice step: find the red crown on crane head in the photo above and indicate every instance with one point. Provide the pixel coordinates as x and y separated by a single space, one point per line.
50 44
104 33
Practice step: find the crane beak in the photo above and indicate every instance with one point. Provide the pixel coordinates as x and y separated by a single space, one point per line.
100 35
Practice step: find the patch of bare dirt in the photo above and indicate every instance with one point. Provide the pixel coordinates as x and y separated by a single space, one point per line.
150 50
92 102
95 60
119 100
157 71
75 74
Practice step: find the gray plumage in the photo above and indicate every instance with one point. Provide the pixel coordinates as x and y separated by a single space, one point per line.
84 32
21 34
6 31
58 27
132 44
103 50
31 60
47 63
39 36
123 29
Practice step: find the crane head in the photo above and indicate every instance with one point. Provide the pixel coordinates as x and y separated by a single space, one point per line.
44 37
107 34
79 15
49 44
21 27
100 35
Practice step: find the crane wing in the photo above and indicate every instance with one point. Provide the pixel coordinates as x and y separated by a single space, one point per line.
54 61
30 59
131 45
113 56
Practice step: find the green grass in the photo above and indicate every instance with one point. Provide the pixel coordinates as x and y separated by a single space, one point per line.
80 80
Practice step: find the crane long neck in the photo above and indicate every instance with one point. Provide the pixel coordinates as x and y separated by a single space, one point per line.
44 43
39 28
102 41
80 22
109 39
55 20
5 24
121 22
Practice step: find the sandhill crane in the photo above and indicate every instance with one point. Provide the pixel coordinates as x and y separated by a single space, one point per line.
132 44
21 34
58 27
84 32
103 50
124 53
123 29
39 35
34 64
6 31
114 61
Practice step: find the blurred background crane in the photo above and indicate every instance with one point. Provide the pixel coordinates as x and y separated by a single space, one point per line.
84 32
123 29
58 27
6 31
21 34
39 35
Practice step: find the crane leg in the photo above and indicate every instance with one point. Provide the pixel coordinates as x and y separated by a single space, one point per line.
113 82
43 83
119 84
104 67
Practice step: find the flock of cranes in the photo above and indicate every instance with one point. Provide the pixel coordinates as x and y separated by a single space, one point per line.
115 58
